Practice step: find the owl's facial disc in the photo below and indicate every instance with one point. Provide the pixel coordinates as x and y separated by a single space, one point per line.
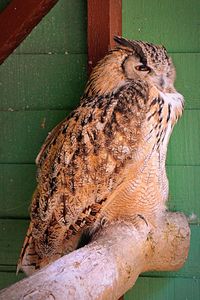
163 79
160 75
148 62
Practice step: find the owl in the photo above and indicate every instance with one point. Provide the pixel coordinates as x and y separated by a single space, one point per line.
106 161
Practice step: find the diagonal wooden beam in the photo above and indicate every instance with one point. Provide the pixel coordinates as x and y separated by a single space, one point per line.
104 21
17 20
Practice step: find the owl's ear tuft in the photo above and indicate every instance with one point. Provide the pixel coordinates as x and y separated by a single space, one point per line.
122 41
134 45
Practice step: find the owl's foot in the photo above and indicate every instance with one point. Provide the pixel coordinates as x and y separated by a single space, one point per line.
137 220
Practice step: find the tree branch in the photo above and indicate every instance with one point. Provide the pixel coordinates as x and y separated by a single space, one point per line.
110 265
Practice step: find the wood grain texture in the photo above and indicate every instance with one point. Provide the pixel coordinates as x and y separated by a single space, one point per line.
104 22
32 82
17 20
165 289
173 23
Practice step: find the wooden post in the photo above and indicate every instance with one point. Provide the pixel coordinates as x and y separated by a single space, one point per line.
17 20
104 21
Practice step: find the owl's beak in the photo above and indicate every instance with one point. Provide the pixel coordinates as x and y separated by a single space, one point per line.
162 82
165 85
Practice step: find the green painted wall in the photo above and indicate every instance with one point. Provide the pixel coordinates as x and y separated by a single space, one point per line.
175 24
40 83
43 80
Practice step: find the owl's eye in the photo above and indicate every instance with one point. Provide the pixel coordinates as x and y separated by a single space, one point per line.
143 68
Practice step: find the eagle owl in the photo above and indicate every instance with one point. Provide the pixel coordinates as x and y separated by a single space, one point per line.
106 160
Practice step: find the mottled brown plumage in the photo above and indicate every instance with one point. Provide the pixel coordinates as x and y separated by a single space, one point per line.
106 161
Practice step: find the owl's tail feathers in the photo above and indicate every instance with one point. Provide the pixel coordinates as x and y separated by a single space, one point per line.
29 259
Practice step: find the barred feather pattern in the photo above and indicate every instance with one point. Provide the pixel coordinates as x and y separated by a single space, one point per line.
104 162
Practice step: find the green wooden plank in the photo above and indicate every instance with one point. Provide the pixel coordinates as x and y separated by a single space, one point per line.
184 183
23 133
3 4
172 23
184 146
12 233
165 289
8 278
57 81
63 29
188 83
8 268
17 184
32 82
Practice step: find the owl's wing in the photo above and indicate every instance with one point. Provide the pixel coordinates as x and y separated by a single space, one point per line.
41 155
81 164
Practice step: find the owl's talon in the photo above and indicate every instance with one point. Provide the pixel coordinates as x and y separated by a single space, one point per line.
103 222
143 218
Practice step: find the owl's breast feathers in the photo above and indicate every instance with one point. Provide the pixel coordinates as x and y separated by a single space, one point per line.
84 160
81 161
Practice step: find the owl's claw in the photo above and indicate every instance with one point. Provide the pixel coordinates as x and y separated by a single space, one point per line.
143 219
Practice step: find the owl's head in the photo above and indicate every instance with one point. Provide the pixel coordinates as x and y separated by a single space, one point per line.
132 60
148 62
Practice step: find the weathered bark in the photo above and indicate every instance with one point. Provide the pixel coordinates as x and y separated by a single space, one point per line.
110 265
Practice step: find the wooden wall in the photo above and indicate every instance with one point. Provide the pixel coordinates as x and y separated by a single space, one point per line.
175 24
40 83
43 80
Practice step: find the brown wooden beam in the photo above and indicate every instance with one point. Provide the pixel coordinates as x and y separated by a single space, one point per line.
17 20
104 21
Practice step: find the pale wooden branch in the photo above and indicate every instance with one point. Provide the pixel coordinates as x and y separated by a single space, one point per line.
110 265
